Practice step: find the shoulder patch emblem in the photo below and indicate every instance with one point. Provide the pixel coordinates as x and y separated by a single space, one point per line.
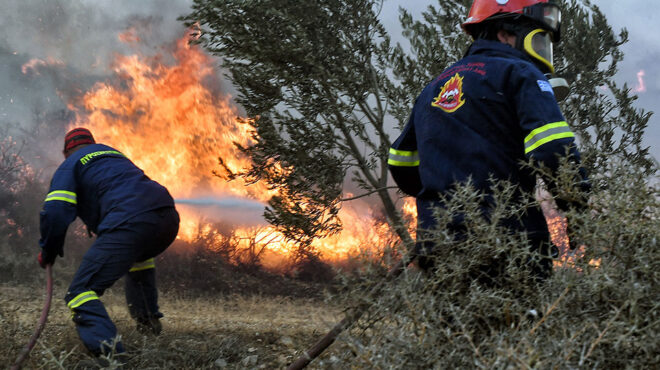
451 95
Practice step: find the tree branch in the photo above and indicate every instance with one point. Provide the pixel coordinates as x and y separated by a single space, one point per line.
368 193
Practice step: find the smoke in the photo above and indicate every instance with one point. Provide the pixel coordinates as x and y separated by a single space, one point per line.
84 34
222 202
52 51
229 210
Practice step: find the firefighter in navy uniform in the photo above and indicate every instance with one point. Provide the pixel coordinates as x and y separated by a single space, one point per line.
484 115
134 219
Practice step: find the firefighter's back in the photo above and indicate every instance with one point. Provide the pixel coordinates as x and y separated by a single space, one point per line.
112 189
467 121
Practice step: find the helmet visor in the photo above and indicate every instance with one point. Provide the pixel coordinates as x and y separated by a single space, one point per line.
538 44
548 15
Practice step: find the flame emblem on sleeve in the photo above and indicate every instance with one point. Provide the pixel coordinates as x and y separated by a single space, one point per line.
451 95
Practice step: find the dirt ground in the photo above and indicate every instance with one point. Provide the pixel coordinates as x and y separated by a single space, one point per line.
232 332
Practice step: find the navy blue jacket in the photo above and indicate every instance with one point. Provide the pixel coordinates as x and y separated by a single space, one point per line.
101 186
481 117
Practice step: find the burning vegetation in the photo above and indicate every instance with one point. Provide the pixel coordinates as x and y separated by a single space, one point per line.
169 114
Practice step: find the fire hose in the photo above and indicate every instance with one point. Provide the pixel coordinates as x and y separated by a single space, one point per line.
323 343
42 320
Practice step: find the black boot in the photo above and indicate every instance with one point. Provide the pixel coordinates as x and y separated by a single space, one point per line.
150 325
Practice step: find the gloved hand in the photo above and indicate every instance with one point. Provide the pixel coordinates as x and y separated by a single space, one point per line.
46 259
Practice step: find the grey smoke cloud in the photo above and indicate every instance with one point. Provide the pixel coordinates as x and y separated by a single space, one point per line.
81 37
84 34
70 45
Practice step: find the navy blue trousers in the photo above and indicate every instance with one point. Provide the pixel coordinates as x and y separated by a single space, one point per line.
539 242
129 247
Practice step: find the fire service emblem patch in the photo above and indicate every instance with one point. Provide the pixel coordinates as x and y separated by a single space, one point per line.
451 95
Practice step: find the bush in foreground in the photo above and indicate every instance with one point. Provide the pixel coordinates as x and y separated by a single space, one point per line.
598 310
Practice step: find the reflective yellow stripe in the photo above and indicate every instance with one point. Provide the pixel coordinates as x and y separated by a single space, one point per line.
392 162
405 153
144 265
82 298
549 138
89 156
403 158
545 128
63 195
547 133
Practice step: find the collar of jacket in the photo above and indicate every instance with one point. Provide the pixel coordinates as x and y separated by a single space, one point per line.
496 48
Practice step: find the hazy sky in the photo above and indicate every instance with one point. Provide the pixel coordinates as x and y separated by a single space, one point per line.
642 53
81 36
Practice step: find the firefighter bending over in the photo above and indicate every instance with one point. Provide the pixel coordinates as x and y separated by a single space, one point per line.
484 115
134 219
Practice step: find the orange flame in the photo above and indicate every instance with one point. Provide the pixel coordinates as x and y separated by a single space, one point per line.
169 123
410 215
450 97
557 225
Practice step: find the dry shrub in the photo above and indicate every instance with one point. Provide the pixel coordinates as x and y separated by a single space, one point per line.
312 269
21 192
216 263
599 310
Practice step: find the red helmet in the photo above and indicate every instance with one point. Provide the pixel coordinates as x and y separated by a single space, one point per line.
545 13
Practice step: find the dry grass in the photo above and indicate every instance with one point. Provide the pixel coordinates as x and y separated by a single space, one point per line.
230 332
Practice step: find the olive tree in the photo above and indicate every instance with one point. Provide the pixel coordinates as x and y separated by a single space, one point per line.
323 84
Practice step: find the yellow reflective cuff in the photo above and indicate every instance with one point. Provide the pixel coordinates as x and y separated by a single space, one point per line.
144 265
82 298
547 133
392 162
548 139
545 128
403 158
65 196
405 153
